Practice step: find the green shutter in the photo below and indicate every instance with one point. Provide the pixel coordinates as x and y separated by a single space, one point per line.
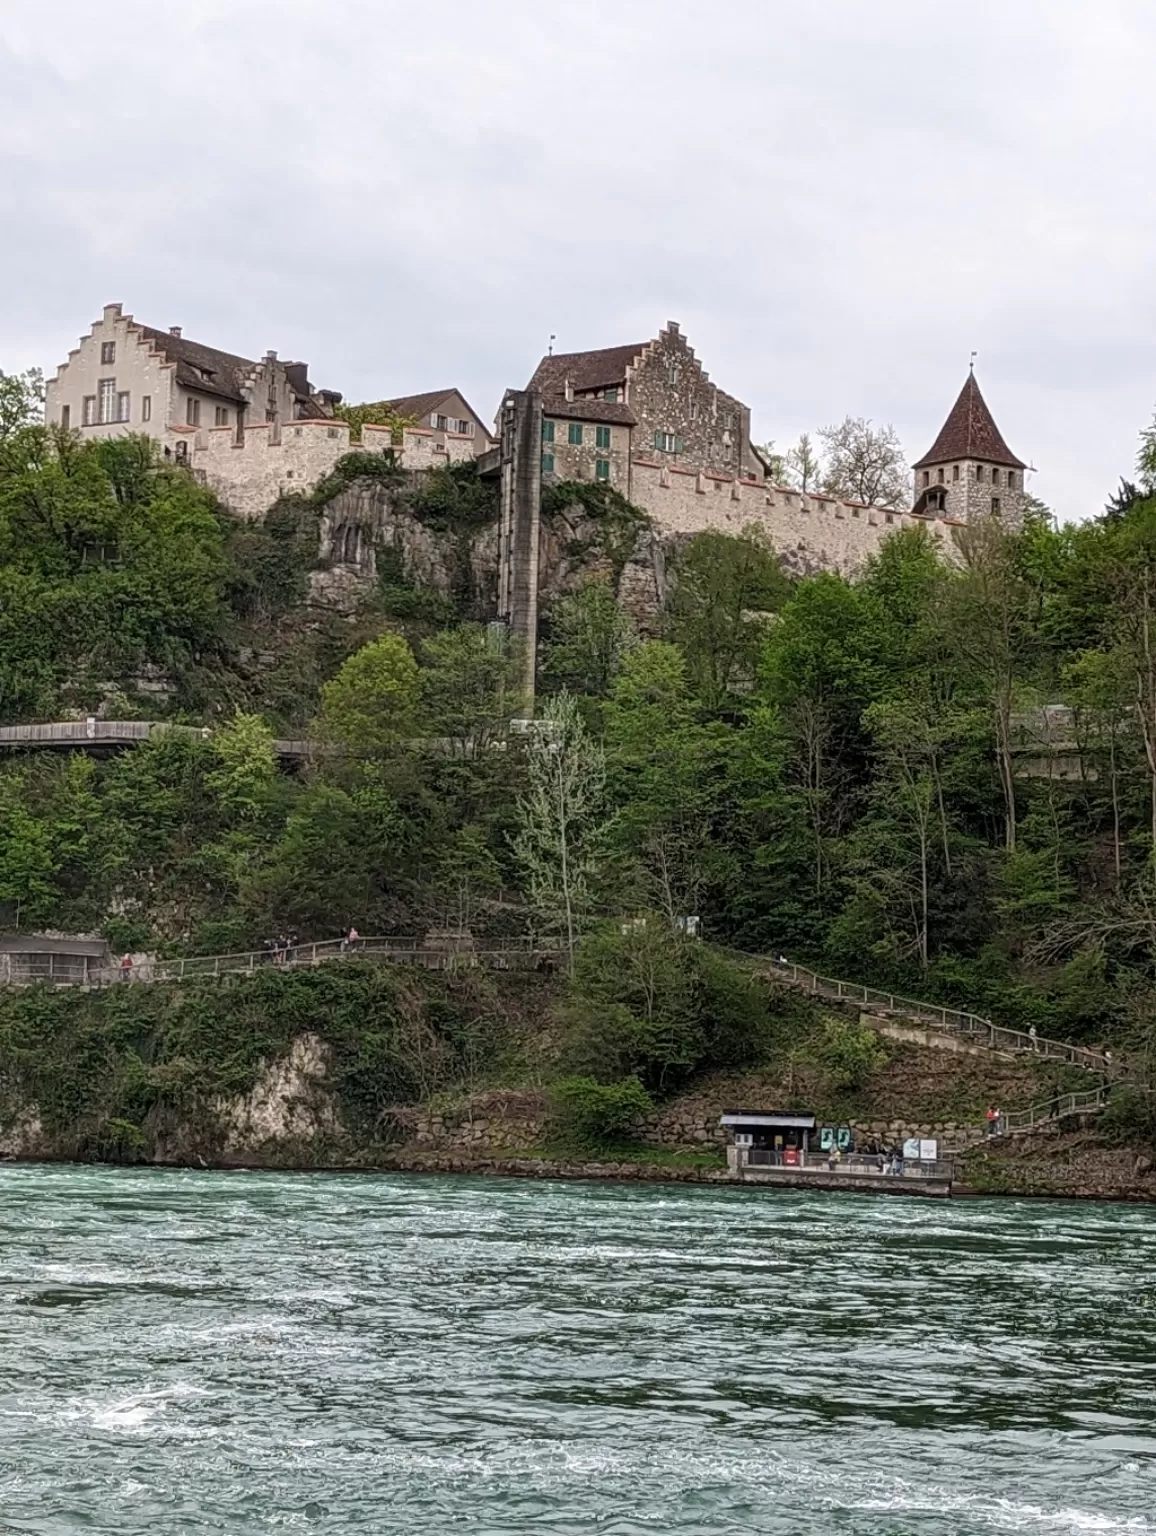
601 470
660 441
547 431
576 434
679 445
547 463
602 437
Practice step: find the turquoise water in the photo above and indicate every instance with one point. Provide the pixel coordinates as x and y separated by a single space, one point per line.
194 1352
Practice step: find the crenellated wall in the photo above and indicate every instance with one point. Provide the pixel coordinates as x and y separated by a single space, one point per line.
251 474
810 532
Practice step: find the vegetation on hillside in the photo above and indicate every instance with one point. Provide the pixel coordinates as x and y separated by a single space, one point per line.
852 772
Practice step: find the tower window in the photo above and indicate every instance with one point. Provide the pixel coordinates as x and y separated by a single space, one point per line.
995 506
995 477
955 471
942 476
979 474
927 477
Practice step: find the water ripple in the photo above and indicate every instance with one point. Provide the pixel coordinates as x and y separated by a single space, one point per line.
196 1352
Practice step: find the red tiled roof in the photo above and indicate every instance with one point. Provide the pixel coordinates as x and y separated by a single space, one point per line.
584 370
970 432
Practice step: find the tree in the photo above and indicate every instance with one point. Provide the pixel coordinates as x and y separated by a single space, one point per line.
370 705
21 400
247 766
774 462
469 687
590 633
724 589
865 463
376 414
801 466
562 819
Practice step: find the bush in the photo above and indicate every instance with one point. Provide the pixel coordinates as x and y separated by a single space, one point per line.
594 1117
850 1052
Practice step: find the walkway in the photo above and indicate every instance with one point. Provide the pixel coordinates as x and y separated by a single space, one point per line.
994 1036
510 955
94 735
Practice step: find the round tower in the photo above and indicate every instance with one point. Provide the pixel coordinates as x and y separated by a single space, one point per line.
970 472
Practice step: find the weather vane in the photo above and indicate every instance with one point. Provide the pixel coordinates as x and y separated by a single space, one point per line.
971 365
553 339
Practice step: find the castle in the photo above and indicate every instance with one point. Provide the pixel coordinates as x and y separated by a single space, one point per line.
644 419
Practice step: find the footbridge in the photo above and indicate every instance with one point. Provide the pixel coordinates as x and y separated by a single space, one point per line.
97 736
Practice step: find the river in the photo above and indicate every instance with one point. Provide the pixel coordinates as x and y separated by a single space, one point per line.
226 1352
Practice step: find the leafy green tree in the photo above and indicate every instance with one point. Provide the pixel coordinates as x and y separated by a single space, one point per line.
562 819
724 590
590 635
469 688
371 704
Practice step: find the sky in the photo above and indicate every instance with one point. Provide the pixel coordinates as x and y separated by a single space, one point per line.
839 202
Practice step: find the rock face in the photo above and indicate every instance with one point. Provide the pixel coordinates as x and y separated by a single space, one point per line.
369 533
289 1110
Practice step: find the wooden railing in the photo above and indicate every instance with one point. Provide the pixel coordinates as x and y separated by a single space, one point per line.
970 1025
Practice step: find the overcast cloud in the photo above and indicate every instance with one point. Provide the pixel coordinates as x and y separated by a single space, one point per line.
839 201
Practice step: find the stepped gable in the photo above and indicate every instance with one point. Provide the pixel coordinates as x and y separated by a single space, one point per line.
585 370
205 369
970 432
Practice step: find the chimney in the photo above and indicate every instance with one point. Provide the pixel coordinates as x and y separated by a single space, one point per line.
270 357
113 311
174 330
569 388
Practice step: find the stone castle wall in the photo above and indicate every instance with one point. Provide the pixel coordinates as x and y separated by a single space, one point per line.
248 476
809 531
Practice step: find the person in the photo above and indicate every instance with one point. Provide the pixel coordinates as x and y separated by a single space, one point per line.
1033 1037
1107 1056
992 1119
126 968
352 937
1054 1111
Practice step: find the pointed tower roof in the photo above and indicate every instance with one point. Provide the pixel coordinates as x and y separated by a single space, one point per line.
970 432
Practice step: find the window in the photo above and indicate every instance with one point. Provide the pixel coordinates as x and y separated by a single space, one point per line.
942 476
611 393
995 477
193 412
146 407
955 471
466 428
442 423
547 431
547 463
694 410
65 416
574 434
601 469
107 354
222 416
106 400
672 374
979 473
927 477
88 411
602 437
665 442
995 506
123 406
